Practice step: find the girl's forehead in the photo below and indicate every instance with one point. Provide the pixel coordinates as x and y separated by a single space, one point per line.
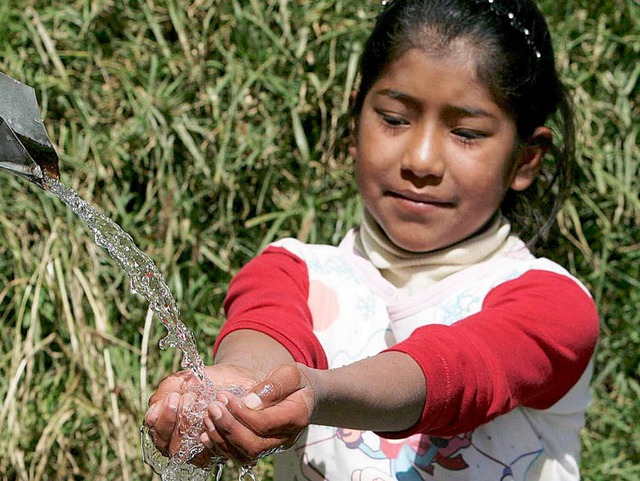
437 71
459 55
444 80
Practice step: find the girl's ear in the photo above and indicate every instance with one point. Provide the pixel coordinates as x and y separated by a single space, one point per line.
531 155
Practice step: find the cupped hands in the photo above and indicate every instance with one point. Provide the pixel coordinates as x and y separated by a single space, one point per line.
243 428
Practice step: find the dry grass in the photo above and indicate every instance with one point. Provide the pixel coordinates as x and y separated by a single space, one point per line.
200 127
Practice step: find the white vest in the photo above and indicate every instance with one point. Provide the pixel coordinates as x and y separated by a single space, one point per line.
357 314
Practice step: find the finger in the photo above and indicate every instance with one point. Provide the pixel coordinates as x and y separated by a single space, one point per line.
185 401
151 416
217 439
279 384
237 438
166 418
206 457
286 419
175 382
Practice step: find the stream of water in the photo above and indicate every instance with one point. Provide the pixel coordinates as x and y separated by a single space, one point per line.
147 281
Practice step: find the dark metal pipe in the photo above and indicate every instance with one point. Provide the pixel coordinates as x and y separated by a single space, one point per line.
25 148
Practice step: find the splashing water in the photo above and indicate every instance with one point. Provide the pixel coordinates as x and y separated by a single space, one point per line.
147 281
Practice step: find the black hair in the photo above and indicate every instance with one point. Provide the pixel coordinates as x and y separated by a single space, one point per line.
515 60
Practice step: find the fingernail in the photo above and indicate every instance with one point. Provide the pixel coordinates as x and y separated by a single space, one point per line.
152 415
215 411
223 399
208 424
252 401
204 439
174 400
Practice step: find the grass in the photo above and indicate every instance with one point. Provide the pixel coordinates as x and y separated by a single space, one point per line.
202 128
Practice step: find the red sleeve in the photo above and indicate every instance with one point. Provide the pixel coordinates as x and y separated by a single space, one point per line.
530 343
270 295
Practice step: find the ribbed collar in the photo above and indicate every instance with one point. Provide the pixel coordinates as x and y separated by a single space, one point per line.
411 272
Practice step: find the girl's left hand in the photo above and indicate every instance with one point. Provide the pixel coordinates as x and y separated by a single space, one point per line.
268 418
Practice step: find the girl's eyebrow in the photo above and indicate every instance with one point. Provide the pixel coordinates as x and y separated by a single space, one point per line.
400 96
459 111
452 110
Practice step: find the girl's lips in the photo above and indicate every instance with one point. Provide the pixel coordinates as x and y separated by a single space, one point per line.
420 198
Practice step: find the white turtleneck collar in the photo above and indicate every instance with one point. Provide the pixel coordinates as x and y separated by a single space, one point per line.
411 272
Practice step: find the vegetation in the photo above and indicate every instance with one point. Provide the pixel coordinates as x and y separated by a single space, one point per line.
205 129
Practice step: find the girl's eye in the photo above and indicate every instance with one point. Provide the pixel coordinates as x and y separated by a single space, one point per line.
393 121
468 136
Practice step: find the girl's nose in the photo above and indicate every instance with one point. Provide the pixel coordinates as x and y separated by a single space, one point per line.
424 157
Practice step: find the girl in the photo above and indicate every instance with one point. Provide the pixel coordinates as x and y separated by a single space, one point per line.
430 342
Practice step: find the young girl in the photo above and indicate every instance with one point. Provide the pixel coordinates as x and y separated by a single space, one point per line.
430 344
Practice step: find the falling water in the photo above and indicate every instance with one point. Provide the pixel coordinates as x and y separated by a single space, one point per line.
147 281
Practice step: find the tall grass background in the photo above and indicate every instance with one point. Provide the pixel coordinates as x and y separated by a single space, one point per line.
204 128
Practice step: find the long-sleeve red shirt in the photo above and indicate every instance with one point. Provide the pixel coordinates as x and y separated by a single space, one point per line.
529 344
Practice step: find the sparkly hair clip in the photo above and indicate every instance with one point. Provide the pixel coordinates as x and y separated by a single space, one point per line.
515 24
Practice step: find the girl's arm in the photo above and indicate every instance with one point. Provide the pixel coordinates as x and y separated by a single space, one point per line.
269 295
530 343
268 325
269 298
385 392
528 346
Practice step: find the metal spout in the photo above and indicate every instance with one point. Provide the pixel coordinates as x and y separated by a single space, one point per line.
25 148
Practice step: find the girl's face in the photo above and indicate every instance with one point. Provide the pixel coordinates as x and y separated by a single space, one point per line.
434 153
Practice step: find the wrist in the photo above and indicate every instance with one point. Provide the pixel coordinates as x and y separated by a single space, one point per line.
331 396
313 381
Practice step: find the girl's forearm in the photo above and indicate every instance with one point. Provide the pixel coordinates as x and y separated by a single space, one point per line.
386 392
253 350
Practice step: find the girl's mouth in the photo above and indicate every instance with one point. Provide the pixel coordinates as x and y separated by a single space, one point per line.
420 198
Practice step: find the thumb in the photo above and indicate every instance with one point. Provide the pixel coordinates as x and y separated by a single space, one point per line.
278 385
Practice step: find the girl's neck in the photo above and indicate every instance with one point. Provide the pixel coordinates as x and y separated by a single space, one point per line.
411 272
